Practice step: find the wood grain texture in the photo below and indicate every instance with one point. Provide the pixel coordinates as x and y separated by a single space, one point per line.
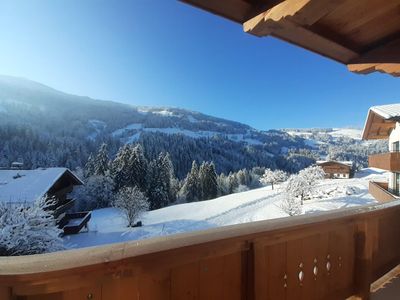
357 245
353 32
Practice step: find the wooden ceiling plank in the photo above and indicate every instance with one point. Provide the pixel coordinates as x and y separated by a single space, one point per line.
351 16
302 12
382 59
307 39
314 42
339 29
378 29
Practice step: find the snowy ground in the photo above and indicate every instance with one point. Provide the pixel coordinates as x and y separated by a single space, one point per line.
107 225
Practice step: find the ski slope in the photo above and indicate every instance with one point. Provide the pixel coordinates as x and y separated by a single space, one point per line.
108 226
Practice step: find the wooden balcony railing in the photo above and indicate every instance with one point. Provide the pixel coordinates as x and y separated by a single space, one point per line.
331 255
380 191
389 161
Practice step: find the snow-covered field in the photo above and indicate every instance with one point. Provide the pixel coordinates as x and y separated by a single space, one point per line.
108 226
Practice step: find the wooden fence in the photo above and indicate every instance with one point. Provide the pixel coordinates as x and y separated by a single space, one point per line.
331 255
380 191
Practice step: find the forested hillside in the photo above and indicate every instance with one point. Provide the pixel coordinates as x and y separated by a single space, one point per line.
43 127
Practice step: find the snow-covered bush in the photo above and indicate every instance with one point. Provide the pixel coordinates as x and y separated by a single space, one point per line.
312 174
132 202
301 185
98 192
297 187
272 177
291 205
26 230
241 188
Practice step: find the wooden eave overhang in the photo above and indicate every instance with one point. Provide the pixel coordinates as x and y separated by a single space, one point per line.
377 127
333 162
74 179
362 34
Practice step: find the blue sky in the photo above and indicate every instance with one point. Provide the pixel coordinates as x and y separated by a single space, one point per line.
166 53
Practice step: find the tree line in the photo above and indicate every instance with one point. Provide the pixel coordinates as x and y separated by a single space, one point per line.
105 177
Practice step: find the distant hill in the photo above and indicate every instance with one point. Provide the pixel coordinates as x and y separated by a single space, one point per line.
45 127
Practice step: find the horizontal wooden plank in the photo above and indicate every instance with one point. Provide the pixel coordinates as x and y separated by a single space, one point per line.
385 59
290 21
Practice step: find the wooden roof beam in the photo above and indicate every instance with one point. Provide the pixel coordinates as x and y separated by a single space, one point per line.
301 12
385 59
290 21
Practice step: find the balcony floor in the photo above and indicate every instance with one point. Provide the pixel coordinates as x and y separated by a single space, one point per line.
388 287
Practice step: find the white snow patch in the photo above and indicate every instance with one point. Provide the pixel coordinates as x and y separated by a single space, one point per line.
164 112
352 133
121 131
98 126
346 132
192 119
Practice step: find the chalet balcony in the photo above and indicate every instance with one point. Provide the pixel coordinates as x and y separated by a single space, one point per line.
381 192
329 255
389 161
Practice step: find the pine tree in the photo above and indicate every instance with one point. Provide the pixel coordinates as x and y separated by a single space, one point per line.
120 168
98 192
168 177
191 189
90 166
208 181
137 168
101 161
157 191
233 182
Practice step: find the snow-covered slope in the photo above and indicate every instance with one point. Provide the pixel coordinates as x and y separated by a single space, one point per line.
334 133
107 225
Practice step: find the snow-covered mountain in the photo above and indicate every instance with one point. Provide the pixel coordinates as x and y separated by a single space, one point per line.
26 102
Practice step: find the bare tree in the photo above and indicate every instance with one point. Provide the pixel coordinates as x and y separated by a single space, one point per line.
273 177
132 202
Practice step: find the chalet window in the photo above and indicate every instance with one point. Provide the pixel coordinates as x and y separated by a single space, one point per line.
396 147
396 183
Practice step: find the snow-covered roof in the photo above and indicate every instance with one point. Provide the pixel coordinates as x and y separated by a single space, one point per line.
343 162
388 111
30 185
380 121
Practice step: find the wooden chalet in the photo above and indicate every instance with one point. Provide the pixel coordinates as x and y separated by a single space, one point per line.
20 186
383 122
343 254
336 169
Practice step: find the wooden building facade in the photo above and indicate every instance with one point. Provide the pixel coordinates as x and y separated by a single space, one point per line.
383 122
337 169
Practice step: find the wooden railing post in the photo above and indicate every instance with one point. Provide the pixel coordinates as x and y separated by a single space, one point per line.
366 245
5 293
248 271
